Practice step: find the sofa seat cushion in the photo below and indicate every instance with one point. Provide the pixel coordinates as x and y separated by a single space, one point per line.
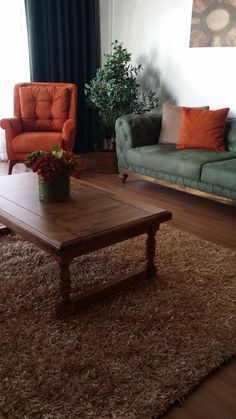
31 141
221 173
167 159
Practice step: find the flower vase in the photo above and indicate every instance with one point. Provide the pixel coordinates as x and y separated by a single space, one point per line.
56 190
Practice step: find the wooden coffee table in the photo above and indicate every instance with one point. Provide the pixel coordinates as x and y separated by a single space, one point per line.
93 218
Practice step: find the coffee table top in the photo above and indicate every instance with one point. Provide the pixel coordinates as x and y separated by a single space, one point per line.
90 213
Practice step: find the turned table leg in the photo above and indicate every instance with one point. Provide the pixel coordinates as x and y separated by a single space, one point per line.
65 304
150 253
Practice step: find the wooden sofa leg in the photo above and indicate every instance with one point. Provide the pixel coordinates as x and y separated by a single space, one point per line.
123 177
4 229
10 166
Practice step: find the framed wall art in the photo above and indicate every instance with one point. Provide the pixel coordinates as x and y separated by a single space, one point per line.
213 23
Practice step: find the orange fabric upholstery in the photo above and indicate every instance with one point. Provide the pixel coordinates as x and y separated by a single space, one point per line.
44 116
44 109
28 142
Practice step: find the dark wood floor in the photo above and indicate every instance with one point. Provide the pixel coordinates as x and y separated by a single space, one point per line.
215 397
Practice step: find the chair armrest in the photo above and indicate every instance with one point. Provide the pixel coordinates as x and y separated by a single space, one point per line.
136 130
68 134
12 126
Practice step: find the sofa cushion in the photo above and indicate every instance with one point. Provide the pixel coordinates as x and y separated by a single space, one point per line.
167 159
230 135
202 129
170 126
31 141
221 173
44 108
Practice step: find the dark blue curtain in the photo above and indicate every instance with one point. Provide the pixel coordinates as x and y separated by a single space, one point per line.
64 46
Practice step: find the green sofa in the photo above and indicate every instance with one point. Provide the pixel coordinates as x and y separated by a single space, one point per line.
208 173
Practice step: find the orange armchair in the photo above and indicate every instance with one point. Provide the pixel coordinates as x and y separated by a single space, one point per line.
44 116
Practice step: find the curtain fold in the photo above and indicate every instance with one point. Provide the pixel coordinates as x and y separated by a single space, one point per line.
64 46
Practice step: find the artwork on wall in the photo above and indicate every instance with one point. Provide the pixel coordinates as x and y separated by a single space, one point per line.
213 23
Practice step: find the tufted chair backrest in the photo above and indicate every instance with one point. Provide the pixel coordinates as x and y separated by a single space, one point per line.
44 106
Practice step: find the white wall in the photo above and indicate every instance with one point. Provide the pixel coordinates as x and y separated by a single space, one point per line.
157 33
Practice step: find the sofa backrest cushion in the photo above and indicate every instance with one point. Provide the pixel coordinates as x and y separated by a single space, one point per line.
230 135
171 120
44 108
203 129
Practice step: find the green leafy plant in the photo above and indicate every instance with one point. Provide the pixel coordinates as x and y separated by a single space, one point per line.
114 91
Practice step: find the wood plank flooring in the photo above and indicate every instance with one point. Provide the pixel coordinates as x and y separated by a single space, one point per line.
215 397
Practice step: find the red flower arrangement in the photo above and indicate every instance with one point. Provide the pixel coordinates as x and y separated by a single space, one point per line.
48 165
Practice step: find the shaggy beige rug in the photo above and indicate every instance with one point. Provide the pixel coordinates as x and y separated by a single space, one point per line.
130 356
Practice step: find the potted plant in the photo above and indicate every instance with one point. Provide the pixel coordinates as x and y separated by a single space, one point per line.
54 169
114 92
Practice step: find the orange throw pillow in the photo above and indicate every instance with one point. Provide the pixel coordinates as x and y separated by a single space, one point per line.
170 124
202 129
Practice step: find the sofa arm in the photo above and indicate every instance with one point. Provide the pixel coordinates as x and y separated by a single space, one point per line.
12 127
68 134
135 130
230 135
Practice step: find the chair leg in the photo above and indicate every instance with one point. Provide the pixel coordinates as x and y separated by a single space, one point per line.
11 165
124 177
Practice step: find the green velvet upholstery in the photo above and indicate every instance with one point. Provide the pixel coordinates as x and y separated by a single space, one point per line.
210 171
183 181
135 131
230 135
167 159
221 173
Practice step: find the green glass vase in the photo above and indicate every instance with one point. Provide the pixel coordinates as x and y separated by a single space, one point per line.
56 190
